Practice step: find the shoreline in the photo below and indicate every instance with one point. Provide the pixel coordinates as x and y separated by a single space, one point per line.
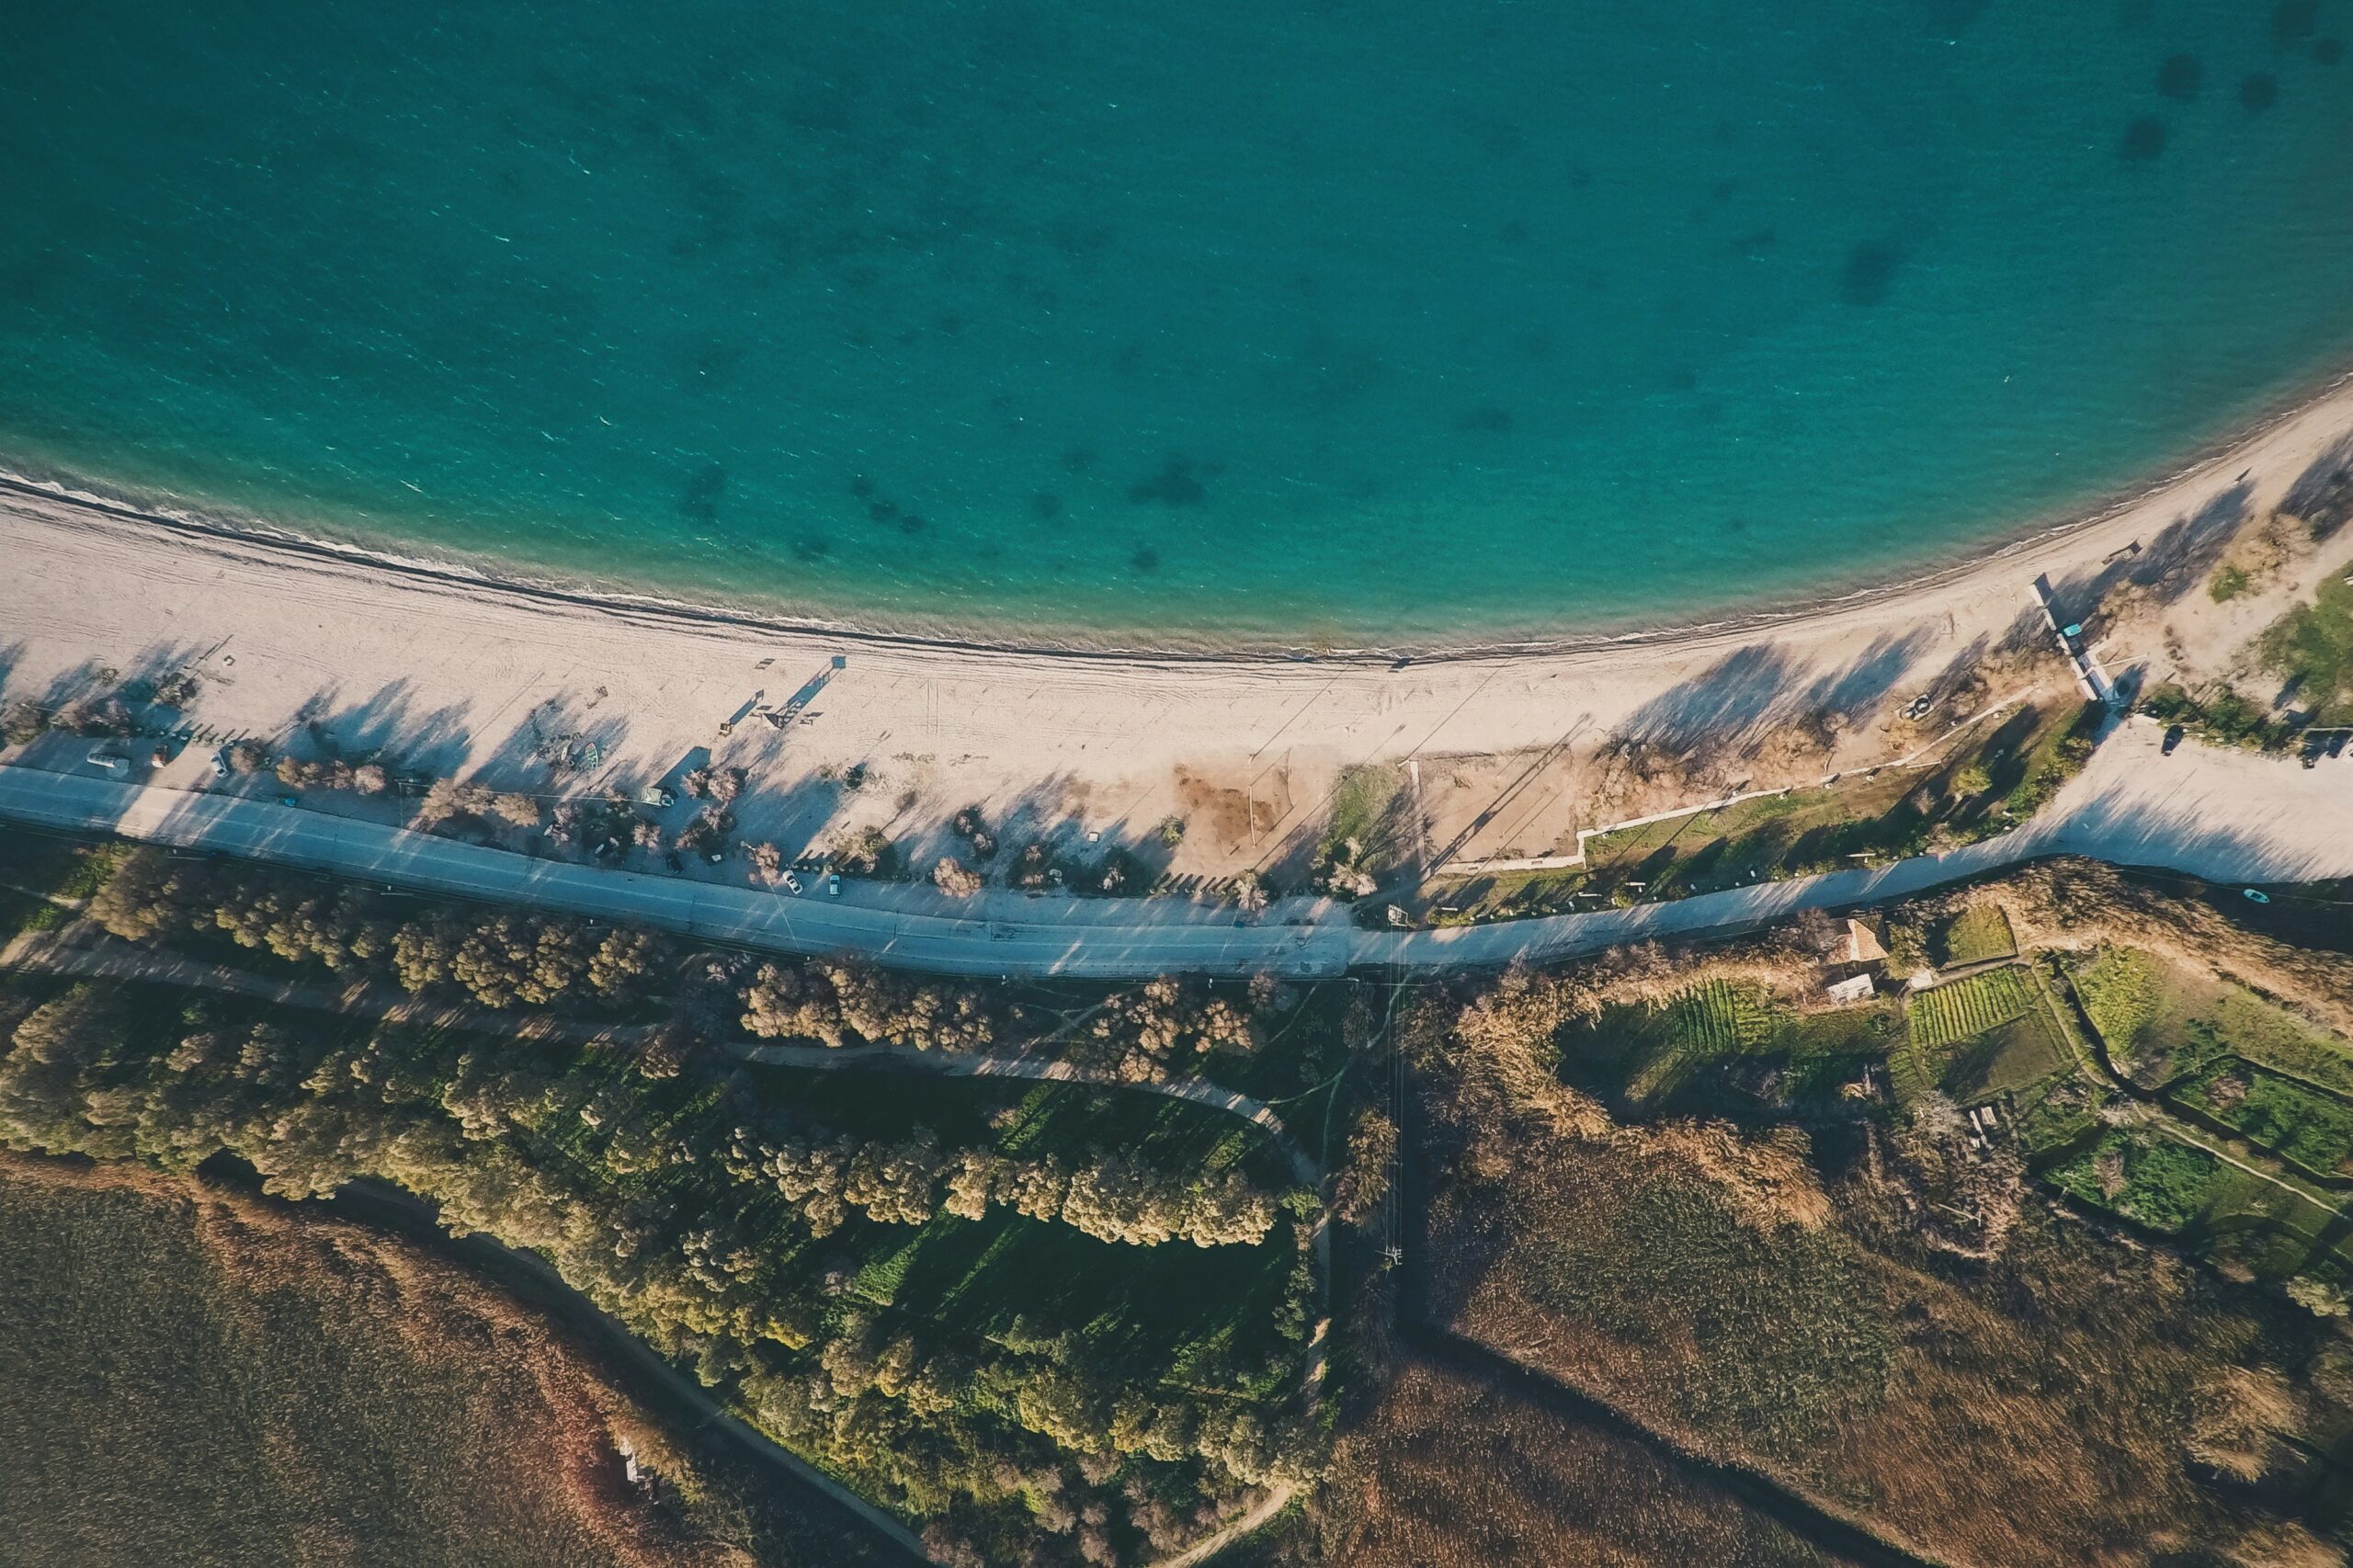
1201 765
1886 586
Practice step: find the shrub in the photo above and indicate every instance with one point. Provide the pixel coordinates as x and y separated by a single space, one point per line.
974 829
867 853
248 756
519 810
707 835
954 878
178 689
25 722
314 775
1118 870
1032 869
2228 584
1362 1182
723 785
91 718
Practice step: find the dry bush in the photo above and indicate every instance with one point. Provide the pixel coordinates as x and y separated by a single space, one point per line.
954 878
2278 1544
2236 1420
447 800
516 811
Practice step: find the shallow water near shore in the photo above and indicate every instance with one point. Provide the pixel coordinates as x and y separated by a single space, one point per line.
1379 322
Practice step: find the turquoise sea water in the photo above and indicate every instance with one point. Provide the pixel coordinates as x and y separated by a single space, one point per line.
1404 319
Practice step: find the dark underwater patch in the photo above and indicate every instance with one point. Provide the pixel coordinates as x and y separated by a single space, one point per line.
1175 485
2293 20
1869 273
1145 560
2179 77
699 503
1487 419
1045 505
2259 91
2328 51
2143 140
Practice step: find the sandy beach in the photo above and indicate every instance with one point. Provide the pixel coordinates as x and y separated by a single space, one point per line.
324 651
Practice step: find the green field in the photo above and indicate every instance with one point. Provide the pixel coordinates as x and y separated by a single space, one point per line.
2124 994
1979 933
2160 1025
2298 1123
2158 1182
2007 1058
1957 1011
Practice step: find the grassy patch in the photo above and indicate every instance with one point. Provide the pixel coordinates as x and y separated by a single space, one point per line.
2300 1124
1793 1311
2153 1180
2007 1058
1996 776
2242 1024
35 867
2311 646
2161 1025
1979 933
2218 716
2122 991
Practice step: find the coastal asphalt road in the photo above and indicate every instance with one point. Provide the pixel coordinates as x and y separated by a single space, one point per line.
2223 817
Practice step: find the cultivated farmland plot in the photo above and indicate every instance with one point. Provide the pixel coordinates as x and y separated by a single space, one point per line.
1720 1016
1970 1006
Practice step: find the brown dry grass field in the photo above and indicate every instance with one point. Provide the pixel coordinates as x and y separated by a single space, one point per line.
190 1377
1451 1470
